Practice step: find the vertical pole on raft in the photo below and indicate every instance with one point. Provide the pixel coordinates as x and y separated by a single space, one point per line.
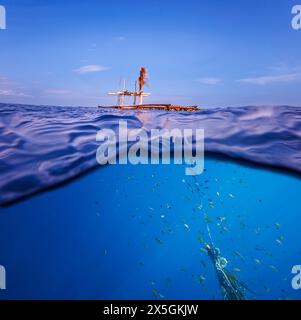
135 94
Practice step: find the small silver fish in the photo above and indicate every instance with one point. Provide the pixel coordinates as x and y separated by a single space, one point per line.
186 226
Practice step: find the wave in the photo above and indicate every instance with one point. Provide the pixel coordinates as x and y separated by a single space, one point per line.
43 146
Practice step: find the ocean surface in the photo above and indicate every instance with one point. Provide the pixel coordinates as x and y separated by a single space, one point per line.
138 232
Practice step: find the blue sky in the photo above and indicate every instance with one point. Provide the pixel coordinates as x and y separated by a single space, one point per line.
205 52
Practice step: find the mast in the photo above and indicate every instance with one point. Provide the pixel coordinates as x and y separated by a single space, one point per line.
135 94
142 80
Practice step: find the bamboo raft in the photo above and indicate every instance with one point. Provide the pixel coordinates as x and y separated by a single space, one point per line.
140 94
166 107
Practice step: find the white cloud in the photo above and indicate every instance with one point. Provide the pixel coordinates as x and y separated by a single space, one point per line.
119 38
6 81
264 80
12 93
10 88
91 68
58 91
210 81
284 68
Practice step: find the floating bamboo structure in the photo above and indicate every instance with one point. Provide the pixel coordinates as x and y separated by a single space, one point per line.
142 81
167 107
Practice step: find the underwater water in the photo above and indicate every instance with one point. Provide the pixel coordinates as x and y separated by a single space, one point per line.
138 232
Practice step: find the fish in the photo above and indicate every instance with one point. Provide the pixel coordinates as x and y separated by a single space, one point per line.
280 240
203 263
242 225
207 219
157 294
199 278
200 237
221 219
274 268
203 250
257 231
186 226
266 288
223 228
159 240
238 254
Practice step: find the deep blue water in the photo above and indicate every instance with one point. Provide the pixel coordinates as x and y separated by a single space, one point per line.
133 232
